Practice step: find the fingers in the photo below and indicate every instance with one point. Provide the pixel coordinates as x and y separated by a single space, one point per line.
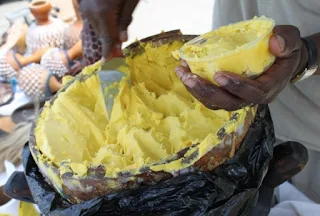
126 18
263 89
208 94
236 91
286 40
108 32
286 45
244 88
75 68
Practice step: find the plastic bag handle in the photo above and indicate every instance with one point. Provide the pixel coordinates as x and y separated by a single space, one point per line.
289 159
18 188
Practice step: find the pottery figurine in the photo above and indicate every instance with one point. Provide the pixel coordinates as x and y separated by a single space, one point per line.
41 9
47 31
37 81
73 33
59 62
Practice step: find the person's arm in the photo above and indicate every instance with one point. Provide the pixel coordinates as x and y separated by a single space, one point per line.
75 51
34 58
110 20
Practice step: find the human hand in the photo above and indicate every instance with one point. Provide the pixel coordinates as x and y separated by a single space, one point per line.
75 68
110 20
236 92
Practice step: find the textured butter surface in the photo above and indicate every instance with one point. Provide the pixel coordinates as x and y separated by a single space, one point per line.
241 48
152 118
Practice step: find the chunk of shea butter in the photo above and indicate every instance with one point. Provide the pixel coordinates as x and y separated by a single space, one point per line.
152 118
241 48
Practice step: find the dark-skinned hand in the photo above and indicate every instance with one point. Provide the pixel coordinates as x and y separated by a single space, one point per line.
110 20
76 68
235 91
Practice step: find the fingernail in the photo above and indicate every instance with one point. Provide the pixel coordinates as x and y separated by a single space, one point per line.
190 82
221 80
118 46
281 42
103 60
123 36
184 63
106 59
179 72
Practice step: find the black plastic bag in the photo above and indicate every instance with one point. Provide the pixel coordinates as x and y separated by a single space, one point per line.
232 189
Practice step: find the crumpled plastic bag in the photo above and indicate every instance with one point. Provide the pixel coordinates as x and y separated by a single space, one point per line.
231 189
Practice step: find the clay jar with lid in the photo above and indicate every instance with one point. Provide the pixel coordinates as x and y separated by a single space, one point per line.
41 9
46 32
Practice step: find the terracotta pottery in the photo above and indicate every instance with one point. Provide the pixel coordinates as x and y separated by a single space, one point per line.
7 72
75 4
59 62
43 35
11 49
15 37
41 9
37 82
56 61
32 80
73 33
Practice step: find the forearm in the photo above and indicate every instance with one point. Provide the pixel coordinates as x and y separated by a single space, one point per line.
316 40
34 58
75 51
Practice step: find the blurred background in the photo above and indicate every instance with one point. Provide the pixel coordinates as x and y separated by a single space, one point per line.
150 17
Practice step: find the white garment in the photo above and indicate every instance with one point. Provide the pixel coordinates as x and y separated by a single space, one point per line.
19 100
293 203
296 111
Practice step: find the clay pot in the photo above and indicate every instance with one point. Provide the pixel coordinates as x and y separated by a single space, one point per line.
16 37
41 10
73 33
76 9
37 82
59 62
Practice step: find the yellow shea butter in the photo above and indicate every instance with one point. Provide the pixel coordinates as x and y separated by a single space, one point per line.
152 118
241 48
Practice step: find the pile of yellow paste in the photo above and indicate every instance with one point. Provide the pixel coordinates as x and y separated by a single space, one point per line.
241 48
153 117
230 39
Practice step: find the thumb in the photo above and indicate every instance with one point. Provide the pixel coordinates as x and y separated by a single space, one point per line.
285 40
